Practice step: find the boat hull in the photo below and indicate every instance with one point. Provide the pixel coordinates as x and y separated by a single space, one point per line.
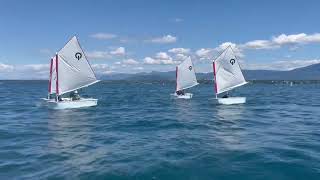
232 100
185 96
69 104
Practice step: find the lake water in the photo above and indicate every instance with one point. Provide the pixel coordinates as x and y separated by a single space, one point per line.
138 132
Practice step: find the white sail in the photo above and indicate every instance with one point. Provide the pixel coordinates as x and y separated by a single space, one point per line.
73 71
227 71
186 76
52 76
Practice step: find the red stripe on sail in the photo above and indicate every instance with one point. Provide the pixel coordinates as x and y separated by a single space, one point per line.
215 79
57 74
50 77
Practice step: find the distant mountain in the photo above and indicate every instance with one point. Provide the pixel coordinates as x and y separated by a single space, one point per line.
311 72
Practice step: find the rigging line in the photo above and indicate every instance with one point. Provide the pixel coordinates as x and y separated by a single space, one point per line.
220 54
217 69
72 67
236 57
86 58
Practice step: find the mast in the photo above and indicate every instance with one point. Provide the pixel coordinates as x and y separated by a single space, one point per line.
215 79
57 79
176 78
50 78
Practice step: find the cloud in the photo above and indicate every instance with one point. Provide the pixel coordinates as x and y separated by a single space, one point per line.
37 67
282 65
106 54
259 44
103 36
161 58
130 62
179 50
164 39
177 20
119 51
205 53
281 40
181 57
301 38
162 55
98 55
149 60
6 67
102 68
29 71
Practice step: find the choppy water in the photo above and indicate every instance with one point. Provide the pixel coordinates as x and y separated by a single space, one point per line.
138 132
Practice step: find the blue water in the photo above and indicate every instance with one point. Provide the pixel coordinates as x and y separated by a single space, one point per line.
138 132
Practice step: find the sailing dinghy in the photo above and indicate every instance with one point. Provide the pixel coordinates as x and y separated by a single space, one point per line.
69 72
185 78
227 76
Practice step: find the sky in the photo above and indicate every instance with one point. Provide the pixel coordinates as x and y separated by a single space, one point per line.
135 36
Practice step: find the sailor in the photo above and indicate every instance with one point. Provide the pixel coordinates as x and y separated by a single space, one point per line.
74 95
59 98
180 92
226 95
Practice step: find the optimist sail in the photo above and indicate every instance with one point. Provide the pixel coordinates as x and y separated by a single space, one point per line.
70 69
227 72
185 75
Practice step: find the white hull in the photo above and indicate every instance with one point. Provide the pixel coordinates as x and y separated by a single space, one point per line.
185 96
67 103
232 100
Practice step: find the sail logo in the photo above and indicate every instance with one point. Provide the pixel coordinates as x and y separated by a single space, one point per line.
190 68
78 56
232 61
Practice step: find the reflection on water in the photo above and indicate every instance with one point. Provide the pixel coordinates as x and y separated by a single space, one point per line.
230 131
230 113
72 137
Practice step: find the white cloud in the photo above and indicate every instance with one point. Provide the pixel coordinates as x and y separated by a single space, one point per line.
282 65
281 40
6 67
162 55
106 54
211 53
181 57
119 51
149 60
259 44
237 50
98 55
164 39
296 38
205 53
179 50
130 62
103 36
102 68
177 20
160 58
117 63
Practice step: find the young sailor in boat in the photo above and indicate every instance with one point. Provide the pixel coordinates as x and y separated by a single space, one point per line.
180 93
226 95
59 98
74 95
